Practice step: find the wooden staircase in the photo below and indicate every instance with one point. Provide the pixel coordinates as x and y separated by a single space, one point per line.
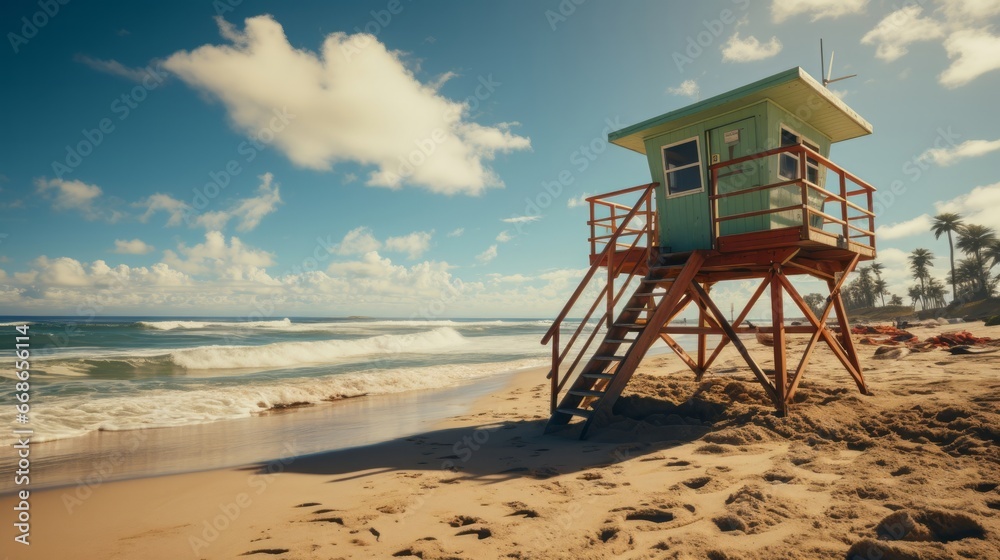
626 341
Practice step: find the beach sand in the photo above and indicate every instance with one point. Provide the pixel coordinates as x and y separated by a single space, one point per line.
699 471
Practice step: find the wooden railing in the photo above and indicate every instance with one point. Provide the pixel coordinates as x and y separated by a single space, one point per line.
622 242
853 205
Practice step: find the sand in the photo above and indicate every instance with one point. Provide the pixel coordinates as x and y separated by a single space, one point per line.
687 470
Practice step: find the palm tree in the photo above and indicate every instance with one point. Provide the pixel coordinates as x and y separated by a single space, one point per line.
947 223
881 289
920 260
915 293
877 268
975 239
895 300
865 291
935 292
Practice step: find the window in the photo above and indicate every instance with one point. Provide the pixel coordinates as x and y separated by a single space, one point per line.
682 167
788 166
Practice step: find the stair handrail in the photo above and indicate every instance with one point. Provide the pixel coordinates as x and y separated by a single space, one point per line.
606 256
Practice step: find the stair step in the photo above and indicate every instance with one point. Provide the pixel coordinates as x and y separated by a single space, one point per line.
639 309
596 375
667 266
631 326
618 341
586 393
648 280
648 294
575 412
609 358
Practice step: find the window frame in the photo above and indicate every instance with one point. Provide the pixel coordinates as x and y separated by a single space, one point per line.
667 172
811 164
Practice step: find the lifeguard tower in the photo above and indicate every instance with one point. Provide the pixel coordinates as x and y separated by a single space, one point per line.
742 190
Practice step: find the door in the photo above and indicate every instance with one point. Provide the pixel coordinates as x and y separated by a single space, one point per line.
726 143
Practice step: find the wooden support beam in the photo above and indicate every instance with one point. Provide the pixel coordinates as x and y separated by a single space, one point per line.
702 339
848 342
679 350
740 347
778 325
743 315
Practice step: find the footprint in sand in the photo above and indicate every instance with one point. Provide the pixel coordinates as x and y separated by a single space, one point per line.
696 483
481 533
463 520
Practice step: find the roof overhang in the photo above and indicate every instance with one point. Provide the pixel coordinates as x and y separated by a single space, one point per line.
794 90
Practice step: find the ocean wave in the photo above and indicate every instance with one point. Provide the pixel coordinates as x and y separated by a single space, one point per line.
336 326
283 354
184 325
58 418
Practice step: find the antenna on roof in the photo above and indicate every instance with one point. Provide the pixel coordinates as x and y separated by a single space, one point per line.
824 73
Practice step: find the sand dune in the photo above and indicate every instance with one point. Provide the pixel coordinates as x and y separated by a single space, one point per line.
687 471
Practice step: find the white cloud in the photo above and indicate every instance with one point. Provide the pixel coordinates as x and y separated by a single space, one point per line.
738 49
487 255
969 10
978 206
358 241
577 201
353 101
115 68
374 278
899 29
920 224
521 219
414 244
178 210
349 178
968 149
79 196
250 211
247 211
504 236
973 52
230 261
65 272
133 247
782 10
509 278
457 232
687 88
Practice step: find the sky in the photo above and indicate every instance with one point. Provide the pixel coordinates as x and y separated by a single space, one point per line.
400 158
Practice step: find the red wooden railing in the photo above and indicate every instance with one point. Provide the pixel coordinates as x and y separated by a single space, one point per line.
853 205
621 241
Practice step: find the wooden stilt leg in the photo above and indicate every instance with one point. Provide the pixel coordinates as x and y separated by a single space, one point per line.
780 361
847 342
702 341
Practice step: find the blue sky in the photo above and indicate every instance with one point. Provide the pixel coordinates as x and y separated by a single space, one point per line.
244 158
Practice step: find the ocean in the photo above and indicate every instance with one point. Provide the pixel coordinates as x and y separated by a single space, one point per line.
127 373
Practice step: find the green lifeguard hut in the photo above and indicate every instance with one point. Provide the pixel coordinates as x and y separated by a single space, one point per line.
742 188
